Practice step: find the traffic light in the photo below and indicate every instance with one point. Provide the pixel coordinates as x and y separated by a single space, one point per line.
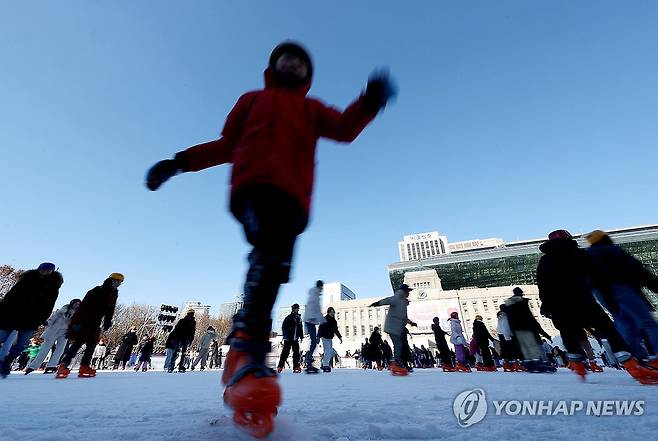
169 308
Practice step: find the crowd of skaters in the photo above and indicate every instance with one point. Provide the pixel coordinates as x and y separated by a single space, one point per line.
576 286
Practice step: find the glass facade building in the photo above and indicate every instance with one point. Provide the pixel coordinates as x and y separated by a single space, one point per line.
515 263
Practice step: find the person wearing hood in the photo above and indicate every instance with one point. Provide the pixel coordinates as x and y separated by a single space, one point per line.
270 137
395 326
442 346
563 275
54 334
459 342
527 330
97 308
327 330
204 347
376 348
482 337
312 318
125 350
618 279
25 307
179 339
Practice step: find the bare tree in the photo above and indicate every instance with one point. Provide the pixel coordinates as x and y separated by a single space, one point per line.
140 316
8 278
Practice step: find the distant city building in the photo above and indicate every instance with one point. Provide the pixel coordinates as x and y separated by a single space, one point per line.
356 319
476 244
422 246
196 306
335 291
229 309
515 263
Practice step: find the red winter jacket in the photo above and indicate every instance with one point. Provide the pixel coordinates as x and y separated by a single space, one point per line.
270 138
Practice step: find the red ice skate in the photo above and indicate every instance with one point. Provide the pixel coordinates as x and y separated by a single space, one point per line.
640 373
595 367
518 367
448 367
461 367
653 364
297 369
252 390
86 371
398 371
62 371
579 368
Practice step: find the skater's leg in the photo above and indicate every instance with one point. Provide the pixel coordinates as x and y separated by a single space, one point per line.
41 355
311 331
284 353
203 353
295 353
633 318
22 340
60 346
327 345
71 352
183 353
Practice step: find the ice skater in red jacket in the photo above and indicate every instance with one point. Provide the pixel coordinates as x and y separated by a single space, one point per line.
270 137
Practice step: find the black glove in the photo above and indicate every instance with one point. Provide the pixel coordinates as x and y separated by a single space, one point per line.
165 169
380 89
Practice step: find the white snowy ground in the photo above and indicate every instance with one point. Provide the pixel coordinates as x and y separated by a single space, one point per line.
347 404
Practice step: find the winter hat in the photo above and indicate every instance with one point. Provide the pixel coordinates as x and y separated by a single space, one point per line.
46 266
453 314
190 312
293 48
319 284
295 306
595 236
405 287
478 317
74 301
560 234
330 309
117 276
517 291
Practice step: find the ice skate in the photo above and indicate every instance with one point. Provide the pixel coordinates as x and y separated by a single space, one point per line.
62 371
398 371
642 374
279 369
461 367
595 367
252 390
517 366
297 369
28 370
578 367
310 369
326 369
507 367
448 367
86 372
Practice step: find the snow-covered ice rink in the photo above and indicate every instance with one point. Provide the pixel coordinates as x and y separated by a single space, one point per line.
347 404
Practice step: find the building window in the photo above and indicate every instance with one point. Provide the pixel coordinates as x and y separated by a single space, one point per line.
363 330
354 329
371 329
361 314
338 316
347 331
369 314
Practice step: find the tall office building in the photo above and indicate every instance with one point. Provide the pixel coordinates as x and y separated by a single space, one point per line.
422 246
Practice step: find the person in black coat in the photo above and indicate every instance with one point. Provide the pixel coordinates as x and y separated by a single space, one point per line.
326 332
97 307
441 345
563 276
376 348
145 353
27 305
128 341
525 326
482 337
180 338
292 333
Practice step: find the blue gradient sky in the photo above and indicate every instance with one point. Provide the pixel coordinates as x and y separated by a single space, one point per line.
514 118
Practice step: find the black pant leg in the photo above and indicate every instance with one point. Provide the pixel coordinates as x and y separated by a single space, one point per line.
295 353
284 353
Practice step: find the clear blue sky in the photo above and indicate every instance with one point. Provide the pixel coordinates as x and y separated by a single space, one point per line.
514 118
